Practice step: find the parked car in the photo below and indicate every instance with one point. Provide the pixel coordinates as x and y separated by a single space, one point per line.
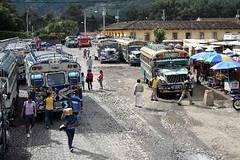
71 41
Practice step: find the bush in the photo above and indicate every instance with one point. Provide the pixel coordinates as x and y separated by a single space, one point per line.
159 34
11 34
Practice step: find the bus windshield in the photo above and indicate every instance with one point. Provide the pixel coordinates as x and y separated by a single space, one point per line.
73 77
37 80
56 79
134 48
171 63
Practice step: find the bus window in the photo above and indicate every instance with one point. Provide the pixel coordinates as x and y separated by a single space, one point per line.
56 79
73 77
37 80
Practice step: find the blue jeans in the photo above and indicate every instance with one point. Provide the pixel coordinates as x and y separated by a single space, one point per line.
48 117
70 134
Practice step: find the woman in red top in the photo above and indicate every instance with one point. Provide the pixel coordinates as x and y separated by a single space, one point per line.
100 79
89 79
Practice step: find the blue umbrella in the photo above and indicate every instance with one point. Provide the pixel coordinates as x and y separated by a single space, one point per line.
203 55
233 54
226 65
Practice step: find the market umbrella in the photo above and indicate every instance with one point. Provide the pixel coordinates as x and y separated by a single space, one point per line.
218 58
233 54
226 65
203 55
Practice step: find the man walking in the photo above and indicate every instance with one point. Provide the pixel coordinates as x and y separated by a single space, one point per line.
29 112
49 110
138 92
154 85
185 92
89 63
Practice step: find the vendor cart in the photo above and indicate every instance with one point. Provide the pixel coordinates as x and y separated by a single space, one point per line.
231 87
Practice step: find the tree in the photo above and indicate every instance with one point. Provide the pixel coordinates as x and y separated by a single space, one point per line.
9 21
159 34
68 27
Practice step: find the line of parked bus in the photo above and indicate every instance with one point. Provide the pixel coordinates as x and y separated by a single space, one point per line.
49 69
44 70
169 63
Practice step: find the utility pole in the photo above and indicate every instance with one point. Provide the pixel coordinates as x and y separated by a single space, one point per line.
85 22
104 18
27 19
163 16
117 17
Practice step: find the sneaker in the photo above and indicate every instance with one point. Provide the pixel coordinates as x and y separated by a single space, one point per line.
28 135
152 99
71 149
179 104
192 103
47 127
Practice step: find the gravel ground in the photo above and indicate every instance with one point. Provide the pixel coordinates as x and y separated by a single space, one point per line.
113 128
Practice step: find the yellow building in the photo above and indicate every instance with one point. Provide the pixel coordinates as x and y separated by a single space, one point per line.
175 30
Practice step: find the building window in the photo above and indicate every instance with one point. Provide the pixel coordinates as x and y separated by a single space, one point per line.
214 35
146 36
174 35
201 35
188 35
133 35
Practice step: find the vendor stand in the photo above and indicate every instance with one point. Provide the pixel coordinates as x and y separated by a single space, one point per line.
231 83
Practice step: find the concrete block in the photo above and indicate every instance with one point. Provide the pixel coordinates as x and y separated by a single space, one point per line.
208 98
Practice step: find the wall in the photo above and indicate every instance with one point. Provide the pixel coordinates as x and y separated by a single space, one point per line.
208 34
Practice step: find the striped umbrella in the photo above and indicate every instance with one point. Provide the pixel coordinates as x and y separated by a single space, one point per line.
218 58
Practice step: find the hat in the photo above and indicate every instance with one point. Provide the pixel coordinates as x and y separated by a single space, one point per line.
67 111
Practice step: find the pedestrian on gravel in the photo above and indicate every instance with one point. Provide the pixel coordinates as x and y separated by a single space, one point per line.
89 63
154 84
76 102
185 92
85 53
100 79
89 79
138 92
82 80
29 112
70 122
49 104
88 52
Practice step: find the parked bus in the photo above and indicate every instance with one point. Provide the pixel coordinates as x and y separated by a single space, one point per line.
8 81
103 44
170 64
130 50
52 71
20 49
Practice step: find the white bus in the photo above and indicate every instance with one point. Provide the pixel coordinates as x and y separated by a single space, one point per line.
52 71
130 50
8 81
21 49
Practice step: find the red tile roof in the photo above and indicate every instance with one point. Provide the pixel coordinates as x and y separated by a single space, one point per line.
172 25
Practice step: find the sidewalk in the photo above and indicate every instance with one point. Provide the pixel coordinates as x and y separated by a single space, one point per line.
221 100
